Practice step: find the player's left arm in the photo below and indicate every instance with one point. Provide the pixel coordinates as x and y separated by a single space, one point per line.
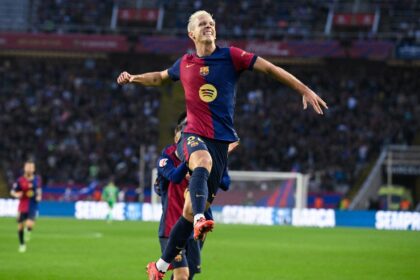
281 75
16 191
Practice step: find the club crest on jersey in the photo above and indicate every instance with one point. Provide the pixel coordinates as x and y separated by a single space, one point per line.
208 93
163 162
204 71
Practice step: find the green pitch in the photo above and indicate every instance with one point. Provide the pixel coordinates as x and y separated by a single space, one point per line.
72 249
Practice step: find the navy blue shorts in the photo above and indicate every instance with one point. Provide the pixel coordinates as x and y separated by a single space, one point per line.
190 257
23 216
190 143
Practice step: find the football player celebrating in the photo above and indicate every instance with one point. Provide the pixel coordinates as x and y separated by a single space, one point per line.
209 78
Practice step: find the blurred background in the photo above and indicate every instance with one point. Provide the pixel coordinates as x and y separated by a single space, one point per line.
60 104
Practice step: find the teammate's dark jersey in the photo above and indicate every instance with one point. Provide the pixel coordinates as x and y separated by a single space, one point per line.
171 185
29 189
210 89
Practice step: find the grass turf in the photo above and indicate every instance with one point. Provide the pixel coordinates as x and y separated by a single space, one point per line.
74 249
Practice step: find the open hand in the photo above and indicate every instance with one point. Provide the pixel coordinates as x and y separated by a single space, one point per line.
312 98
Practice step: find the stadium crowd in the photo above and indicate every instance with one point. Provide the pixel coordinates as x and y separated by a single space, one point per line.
80 125
246 19
369 107
63 16
71 116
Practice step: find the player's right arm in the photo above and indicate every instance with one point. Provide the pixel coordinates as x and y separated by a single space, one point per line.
16 191
152 78
146 79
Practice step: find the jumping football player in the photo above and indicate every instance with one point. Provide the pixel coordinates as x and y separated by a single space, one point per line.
209 78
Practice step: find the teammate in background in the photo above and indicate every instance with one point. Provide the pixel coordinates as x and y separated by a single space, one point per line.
110 196
209 80
172 186
28 190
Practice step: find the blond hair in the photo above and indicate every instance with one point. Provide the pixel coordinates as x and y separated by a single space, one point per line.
194 17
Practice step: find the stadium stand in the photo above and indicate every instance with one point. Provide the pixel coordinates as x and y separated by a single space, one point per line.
70 114
74 119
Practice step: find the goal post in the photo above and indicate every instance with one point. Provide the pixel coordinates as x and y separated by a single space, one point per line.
273 183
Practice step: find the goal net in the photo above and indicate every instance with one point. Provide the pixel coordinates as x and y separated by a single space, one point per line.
261 189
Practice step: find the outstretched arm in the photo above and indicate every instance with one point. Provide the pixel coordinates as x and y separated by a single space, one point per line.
281 75
146 79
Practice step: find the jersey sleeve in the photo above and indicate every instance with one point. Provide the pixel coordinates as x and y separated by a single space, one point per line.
242 60
167 169
174 71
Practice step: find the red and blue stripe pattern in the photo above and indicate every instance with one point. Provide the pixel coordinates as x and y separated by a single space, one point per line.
210 89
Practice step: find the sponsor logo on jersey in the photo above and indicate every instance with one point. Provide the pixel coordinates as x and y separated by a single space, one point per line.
208 93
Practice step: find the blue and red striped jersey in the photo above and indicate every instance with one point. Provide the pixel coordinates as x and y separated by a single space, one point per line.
210 89
27 202
172 184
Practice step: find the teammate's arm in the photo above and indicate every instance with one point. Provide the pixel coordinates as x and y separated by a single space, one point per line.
281 75
225 183
146 79
232 146
171 173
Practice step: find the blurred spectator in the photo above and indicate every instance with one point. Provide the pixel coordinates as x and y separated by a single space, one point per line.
370 105
74 119
79 124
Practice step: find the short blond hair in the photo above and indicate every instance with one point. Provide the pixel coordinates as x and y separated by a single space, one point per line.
194 17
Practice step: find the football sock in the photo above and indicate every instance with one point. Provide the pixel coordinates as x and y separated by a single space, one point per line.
198 190
177 241
20 234
198 217
162 266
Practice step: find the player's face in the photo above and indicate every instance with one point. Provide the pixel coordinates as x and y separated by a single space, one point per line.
29 168
204 29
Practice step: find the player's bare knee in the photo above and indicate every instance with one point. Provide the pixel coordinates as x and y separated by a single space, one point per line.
181 275
201 159
205 162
